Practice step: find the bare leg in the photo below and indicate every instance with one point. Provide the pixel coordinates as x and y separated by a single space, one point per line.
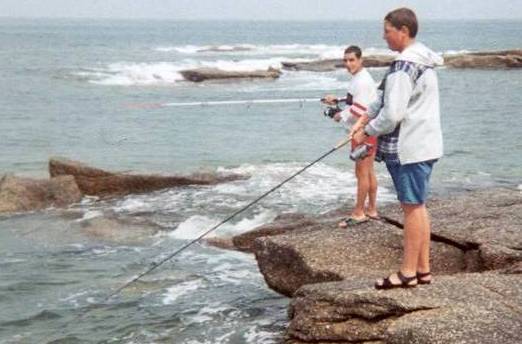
414 237
416 233
363 185
372 190
424 255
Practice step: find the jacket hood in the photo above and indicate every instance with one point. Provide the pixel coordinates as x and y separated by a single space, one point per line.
419 53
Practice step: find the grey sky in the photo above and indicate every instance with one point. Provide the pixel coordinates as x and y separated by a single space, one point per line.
260 9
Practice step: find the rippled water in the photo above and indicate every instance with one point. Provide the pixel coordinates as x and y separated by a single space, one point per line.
93 91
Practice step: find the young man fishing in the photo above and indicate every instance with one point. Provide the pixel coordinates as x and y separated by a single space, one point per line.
406 119
361 93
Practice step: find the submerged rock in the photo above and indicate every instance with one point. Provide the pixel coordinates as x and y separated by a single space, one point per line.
24 194
202 74
96 182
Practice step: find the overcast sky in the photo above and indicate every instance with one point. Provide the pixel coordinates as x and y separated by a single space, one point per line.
259 9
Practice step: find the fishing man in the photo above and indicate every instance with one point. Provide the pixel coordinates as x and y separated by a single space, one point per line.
361 92
406 119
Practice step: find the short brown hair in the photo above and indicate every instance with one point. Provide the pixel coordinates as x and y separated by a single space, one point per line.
353 49
403 17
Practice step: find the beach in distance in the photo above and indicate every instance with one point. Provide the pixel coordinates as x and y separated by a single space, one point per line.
106 92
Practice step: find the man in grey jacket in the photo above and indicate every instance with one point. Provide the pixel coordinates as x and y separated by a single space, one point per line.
406 118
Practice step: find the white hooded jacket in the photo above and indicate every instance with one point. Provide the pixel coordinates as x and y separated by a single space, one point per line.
411 100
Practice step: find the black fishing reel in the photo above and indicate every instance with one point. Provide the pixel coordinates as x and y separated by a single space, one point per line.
330 111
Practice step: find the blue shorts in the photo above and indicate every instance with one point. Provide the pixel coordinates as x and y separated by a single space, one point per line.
411 181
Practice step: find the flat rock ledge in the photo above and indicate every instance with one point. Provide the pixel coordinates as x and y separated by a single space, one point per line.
479 60
203 74
476 296
464 308
97 182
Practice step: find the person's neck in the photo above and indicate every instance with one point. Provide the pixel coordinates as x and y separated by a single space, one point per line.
407 43
357 71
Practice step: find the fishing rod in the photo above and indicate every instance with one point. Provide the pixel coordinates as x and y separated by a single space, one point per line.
155 265
234 102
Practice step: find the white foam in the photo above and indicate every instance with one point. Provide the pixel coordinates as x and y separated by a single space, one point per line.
256 335
178 290
196 225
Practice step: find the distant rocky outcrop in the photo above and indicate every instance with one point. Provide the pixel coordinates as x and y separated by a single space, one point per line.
484 60
25 194
96 182
203 74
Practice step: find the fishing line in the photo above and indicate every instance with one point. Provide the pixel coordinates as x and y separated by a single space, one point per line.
155 265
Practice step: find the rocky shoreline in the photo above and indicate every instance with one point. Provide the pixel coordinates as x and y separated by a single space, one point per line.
504 59
476 296
71 180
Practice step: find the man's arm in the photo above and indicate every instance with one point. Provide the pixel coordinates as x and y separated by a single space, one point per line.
397 94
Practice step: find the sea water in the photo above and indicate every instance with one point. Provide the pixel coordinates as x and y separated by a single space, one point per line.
98 91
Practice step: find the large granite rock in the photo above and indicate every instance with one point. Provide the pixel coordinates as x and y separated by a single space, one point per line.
477 232
466 308
202 74
25 194
93 181
328 65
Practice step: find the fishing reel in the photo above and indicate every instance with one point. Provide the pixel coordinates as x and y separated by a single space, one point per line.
330 111
360 152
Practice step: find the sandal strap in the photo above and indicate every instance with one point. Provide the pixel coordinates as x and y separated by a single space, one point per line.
423 274
404 279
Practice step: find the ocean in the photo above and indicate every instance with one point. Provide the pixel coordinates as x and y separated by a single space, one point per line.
98 91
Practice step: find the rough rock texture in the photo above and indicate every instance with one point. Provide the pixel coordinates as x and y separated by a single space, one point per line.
476 232
468 308
282 224
372 250
476 296
25 194
92 181
202 74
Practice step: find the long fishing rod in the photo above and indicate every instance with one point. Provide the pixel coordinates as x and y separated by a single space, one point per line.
233 102
245 101
155 265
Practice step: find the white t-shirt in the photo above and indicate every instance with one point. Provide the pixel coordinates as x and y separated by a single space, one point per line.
363 89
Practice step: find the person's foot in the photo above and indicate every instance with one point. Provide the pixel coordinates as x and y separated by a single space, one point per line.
396 280
372 213
352 221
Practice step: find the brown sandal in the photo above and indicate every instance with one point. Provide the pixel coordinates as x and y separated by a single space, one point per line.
405 282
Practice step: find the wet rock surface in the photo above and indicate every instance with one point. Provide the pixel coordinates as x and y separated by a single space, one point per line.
96 182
